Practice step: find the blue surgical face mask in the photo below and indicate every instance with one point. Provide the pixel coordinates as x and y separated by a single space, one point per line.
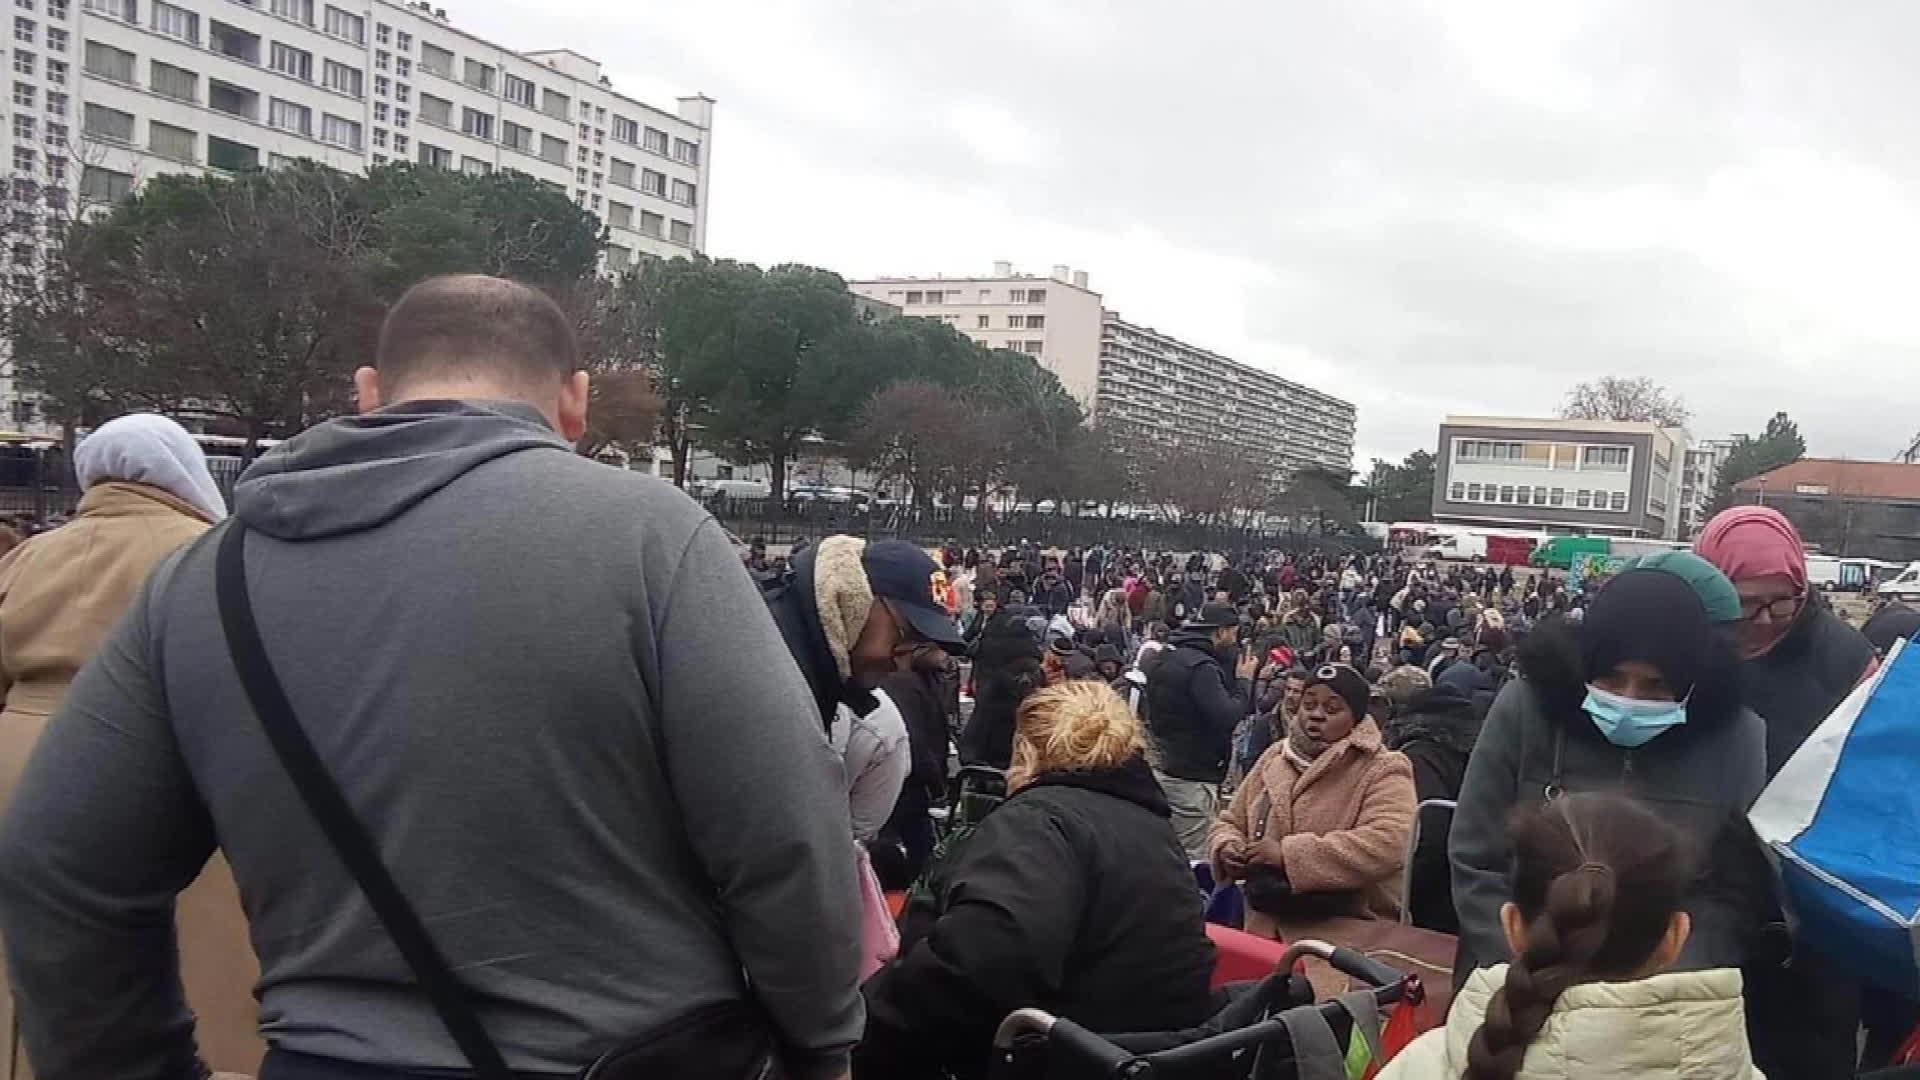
1630 722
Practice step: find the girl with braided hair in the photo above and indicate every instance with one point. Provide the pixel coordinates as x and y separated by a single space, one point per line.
1596 922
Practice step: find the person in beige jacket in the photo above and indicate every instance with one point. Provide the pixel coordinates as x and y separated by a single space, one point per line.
1319 829
1595 923
147 491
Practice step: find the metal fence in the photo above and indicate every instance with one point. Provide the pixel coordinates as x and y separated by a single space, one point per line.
36 484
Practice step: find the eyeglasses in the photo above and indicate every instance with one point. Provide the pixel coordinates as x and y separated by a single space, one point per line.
1778 609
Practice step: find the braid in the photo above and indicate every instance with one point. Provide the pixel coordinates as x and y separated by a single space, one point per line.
1561 945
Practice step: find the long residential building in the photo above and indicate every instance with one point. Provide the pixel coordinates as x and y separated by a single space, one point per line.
1140 381
1159 388
1611 478
105 93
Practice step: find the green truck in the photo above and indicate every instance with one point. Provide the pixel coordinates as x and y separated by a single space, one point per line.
1558 552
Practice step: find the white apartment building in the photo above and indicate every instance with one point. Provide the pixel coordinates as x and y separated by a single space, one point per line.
1697 484
1159 388
104 93
1612 478
1055 319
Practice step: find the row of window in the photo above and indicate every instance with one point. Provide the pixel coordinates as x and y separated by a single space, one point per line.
27 32
56 9
480 124
1541 455
26 96
915 297
119 65
484 77
1525 495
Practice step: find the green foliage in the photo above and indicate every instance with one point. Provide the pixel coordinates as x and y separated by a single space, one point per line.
430 221
1779 445
1402 492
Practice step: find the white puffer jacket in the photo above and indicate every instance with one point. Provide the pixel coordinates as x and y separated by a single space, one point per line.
1686 1025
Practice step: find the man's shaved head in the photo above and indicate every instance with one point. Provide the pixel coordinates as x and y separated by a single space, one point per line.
477 329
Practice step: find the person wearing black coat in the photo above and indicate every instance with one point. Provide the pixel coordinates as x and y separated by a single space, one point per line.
1073 896
1436 730
1006 668
1052 593
1194 703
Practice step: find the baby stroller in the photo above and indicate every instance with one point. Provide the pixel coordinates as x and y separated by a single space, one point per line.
1270 1030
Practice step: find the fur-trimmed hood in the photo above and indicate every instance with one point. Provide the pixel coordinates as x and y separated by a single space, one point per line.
1550 660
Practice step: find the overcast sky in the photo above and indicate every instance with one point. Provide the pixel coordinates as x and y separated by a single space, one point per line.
1424 208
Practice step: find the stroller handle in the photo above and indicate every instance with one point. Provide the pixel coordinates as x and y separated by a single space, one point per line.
1023 1022
1066 1040
1344 960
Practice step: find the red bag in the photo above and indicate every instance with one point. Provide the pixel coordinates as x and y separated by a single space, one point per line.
1407 1023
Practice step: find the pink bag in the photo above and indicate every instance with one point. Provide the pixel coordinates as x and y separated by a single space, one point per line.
879 937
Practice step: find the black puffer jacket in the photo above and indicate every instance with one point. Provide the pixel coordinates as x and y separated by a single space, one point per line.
1701 777
1804 677
1006 667
1074 897
1436 732
1194 704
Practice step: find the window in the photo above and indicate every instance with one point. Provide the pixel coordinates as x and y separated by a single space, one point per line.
104 185
435 110
436 157
1036 296
382 86
109 63
594 202
291 61
105 123
401 91
580 176
172 82
653 183
1506 495
345 24
555 104
1458 492
233 41
683 193
599 159
688 152
23 158
596 182
340 131
400 118
618 256
382 33
437 60
621 172
24 29
475 167
176 22
379 137
1613 458
651 224
518 90
400 144
119 9
476 123
599 136
348 80
300 11
619 214
1036 322
580 155
56 9
24 5
232 100
23 94
23 63
1016 322
517 136
1583 499
56 103
656 141
1016 296
402 67
480 76
382 113
23 127
56 39
681 232
403 41
553 150
1557 497
231 156
625 130
586 131
56 135
290 116
1524 495
1618 500
1031 348
170 142
600 114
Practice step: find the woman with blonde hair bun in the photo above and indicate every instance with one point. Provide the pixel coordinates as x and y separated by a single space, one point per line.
1073 896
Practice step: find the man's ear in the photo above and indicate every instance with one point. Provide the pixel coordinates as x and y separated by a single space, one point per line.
366 388
572 407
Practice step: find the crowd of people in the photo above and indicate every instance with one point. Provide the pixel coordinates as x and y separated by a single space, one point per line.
447 752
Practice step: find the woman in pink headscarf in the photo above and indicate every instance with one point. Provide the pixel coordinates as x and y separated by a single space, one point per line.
1801 661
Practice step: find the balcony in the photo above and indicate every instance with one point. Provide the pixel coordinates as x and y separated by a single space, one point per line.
233 100
234 42
231 156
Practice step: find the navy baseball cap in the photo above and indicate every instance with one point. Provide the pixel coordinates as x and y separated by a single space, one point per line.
906 577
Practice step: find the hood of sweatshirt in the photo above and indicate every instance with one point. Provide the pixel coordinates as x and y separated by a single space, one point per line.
360 472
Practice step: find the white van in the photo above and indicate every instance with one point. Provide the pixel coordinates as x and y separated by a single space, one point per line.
1904 586
733 489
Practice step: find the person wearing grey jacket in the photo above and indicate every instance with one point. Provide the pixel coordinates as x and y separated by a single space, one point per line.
547 688
1642 698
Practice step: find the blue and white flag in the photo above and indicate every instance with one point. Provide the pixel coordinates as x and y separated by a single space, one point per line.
1842 820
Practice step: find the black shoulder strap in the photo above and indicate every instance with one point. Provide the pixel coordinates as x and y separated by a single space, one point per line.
330 808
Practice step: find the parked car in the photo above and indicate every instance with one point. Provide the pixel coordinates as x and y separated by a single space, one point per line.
732 489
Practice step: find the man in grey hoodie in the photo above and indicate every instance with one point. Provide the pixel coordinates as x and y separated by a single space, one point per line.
546 686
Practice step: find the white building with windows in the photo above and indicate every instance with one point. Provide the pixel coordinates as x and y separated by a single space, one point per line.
104 93
1054 319
1612 478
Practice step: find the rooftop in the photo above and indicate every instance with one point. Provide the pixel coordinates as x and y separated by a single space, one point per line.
1837 477
1557 423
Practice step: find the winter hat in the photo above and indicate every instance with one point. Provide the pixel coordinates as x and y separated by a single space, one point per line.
1345 681
1402 683
1652 616
1722 601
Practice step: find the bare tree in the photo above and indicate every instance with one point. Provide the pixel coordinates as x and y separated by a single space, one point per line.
1613 397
